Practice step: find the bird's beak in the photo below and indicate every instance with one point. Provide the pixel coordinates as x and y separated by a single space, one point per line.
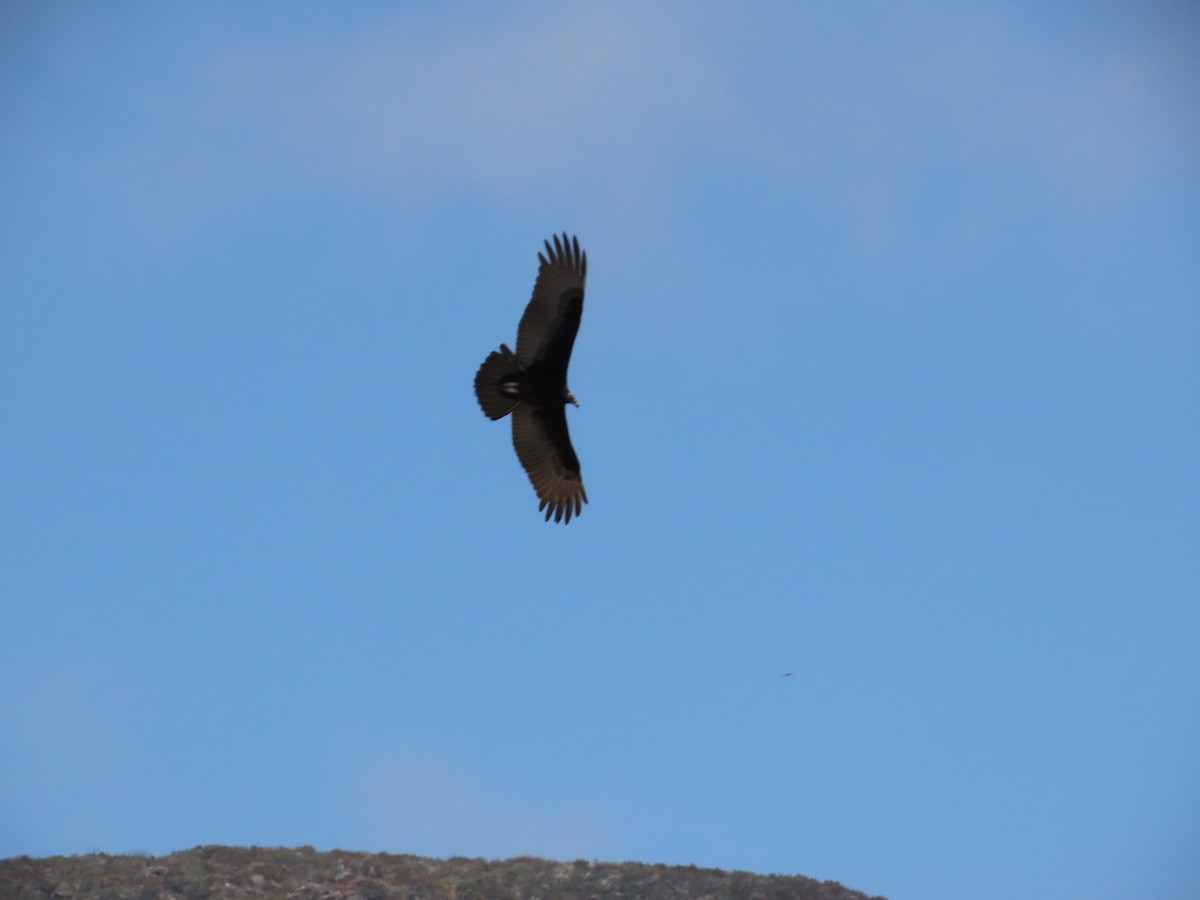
571 398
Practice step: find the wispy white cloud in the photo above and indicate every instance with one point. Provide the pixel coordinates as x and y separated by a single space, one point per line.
930 150
945 151
527 102
533 101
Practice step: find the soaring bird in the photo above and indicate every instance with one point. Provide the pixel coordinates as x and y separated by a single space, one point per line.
531 384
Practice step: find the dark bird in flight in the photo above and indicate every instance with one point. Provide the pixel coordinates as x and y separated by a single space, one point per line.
531 384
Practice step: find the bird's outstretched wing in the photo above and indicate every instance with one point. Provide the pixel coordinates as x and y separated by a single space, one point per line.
544 447
551 320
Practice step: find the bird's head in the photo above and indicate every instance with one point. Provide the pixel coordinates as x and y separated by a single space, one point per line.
569 397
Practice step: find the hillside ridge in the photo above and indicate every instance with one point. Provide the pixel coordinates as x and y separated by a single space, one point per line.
302 873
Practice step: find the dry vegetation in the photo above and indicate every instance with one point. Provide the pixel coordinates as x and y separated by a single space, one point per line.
217 873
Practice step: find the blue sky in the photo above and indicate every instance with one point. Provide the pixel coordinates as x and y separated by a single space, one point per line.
888 371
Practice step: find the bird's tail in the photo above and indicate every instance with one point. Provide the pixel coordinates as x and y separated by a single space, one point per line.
500 365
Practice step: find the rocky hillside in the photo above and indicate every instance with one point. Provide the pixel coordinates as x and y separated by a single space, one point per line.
217 873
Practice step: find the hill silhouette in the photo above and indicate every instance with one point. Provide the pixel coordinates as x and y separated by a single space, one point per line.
225 873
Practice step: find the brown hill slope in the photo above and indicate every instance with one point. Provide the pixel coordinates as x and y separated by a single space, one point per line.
218 873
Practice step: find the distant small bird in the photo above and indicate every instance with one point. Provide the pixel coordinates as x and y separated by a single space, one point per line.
786 675
532 383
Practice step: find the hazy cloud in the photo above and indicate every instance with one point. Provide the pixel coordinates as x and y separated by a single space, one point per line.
430 798
71 768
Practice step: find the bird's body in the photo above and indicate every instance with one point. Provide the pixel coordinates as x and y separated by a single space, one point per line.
531 384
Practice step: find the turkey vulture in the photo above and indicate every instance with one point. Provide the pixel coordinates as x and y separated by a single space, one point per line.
531 384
